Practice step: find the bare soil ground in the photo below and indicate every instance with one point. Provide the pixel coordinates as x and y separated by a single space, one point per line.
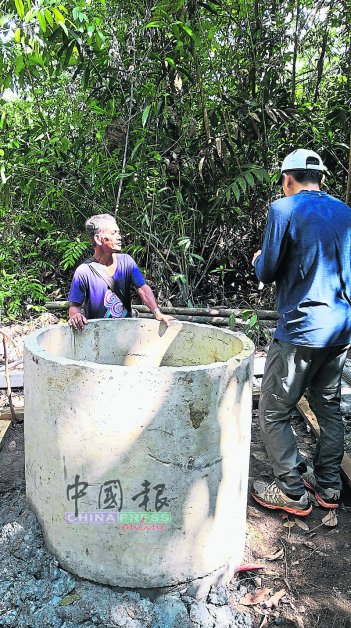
311 565
314 565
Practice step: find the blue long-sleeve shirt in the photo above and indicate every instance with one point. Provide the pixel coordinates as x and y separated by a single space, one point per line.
307 252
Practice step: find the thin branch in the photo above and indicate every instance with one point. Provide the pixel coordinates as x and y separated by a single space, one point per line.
127 133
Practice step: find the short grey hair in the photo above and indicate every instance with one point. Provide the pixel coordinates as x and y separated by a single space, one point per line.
95 224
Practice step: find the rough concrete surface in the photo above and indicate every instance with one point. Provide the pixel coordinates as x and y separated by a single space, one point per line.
134 417
36 593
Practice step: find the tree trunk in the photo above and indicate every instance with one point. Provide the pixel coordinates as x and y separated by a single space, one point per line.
293 82
320 64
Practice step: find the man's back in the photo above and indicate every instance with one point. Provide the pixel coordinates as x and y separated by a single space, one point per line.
307 252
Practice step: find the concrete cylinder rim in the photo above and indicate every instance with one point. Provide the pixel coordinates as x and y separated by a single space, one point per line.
32 345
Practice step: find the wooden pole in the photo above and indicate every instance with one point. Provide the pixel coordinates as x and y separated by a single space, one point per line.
186 311
7 375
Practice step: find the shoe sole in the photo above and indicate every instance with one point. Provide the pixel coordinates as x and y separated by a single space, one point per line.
293 511
318 497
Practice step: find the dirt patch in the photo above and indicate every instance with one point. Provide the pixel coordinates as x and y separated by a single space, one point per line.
12 459
313 566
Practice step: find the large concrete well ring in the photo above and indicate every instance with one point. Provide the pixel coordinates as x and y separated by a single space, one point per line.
137 441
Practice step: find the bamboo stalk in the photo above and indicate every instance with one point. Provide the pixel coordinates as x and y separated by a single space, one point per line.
189 311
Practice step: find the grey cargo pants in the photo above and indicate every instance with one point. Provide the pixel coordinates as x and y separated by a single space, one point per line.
290 369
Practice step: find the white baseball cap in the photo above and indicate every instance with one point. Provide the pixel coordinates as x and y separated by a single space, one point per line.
301 159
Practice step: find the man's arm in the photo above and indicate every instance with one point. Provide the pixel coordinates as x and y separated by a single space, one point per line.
76 318
148 298
267 261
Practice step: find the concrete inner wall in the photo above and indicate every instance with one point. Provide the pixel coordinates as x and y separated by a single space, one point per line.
123 344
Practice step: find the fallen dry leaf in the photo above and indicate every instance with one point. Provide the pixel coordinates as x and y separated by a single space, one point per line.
284 515
330 519
310 545
289 524
299 622
302 525
256 597
252 512
264 622
130 613
279 553
274 600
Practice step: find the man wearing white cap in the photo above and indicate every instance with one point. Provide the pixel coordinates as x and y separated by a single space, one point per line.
306 251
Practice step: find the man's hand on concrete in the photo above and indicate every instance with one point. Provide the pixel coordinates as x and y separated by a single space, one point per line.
77 321
163 317
257 254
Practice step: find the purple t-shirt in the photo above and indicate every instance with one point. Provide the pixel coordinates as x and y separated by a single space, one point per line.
96 294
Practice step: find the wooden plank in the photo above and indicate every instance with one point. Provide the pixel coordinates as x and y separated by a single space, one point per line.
16 379
306 412
6 415
4 426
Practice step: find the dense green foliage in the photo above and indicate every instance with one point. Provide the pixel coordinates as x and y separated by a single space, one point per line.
175 118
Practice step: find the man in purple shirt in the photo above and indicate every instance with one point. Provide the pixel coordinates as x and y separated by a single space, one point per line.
103 282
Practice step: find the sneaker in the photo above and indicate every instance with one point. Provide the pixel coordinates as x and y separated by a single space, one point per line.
271 496
326 497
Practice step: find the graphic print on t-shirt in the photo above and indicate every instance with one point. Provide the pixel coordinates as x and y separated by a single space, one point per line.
114 305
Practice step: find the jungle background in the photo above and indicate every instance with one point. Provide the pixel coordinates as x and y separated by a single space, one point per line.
174 117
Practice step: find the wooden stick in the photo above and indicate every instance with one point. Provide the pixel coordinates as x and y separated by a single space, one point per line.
212 320
7 375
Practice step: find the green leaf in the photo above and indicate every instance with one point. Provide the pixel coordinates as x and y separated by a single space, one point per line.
19 65
228 195
97 109
19 7
232 321
171 63
17 35
49 17
198 257
42 22
58 16
242 183
253 320
135 149
236 191
249 178
154 25
63 26
145 115
188 30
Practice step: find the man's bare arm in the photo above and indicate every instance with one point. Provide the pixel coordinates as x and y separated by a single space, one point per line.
76 318
148 298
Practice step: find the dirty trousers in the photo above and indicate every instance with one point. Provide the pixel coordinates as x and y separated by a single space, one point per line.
290 369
